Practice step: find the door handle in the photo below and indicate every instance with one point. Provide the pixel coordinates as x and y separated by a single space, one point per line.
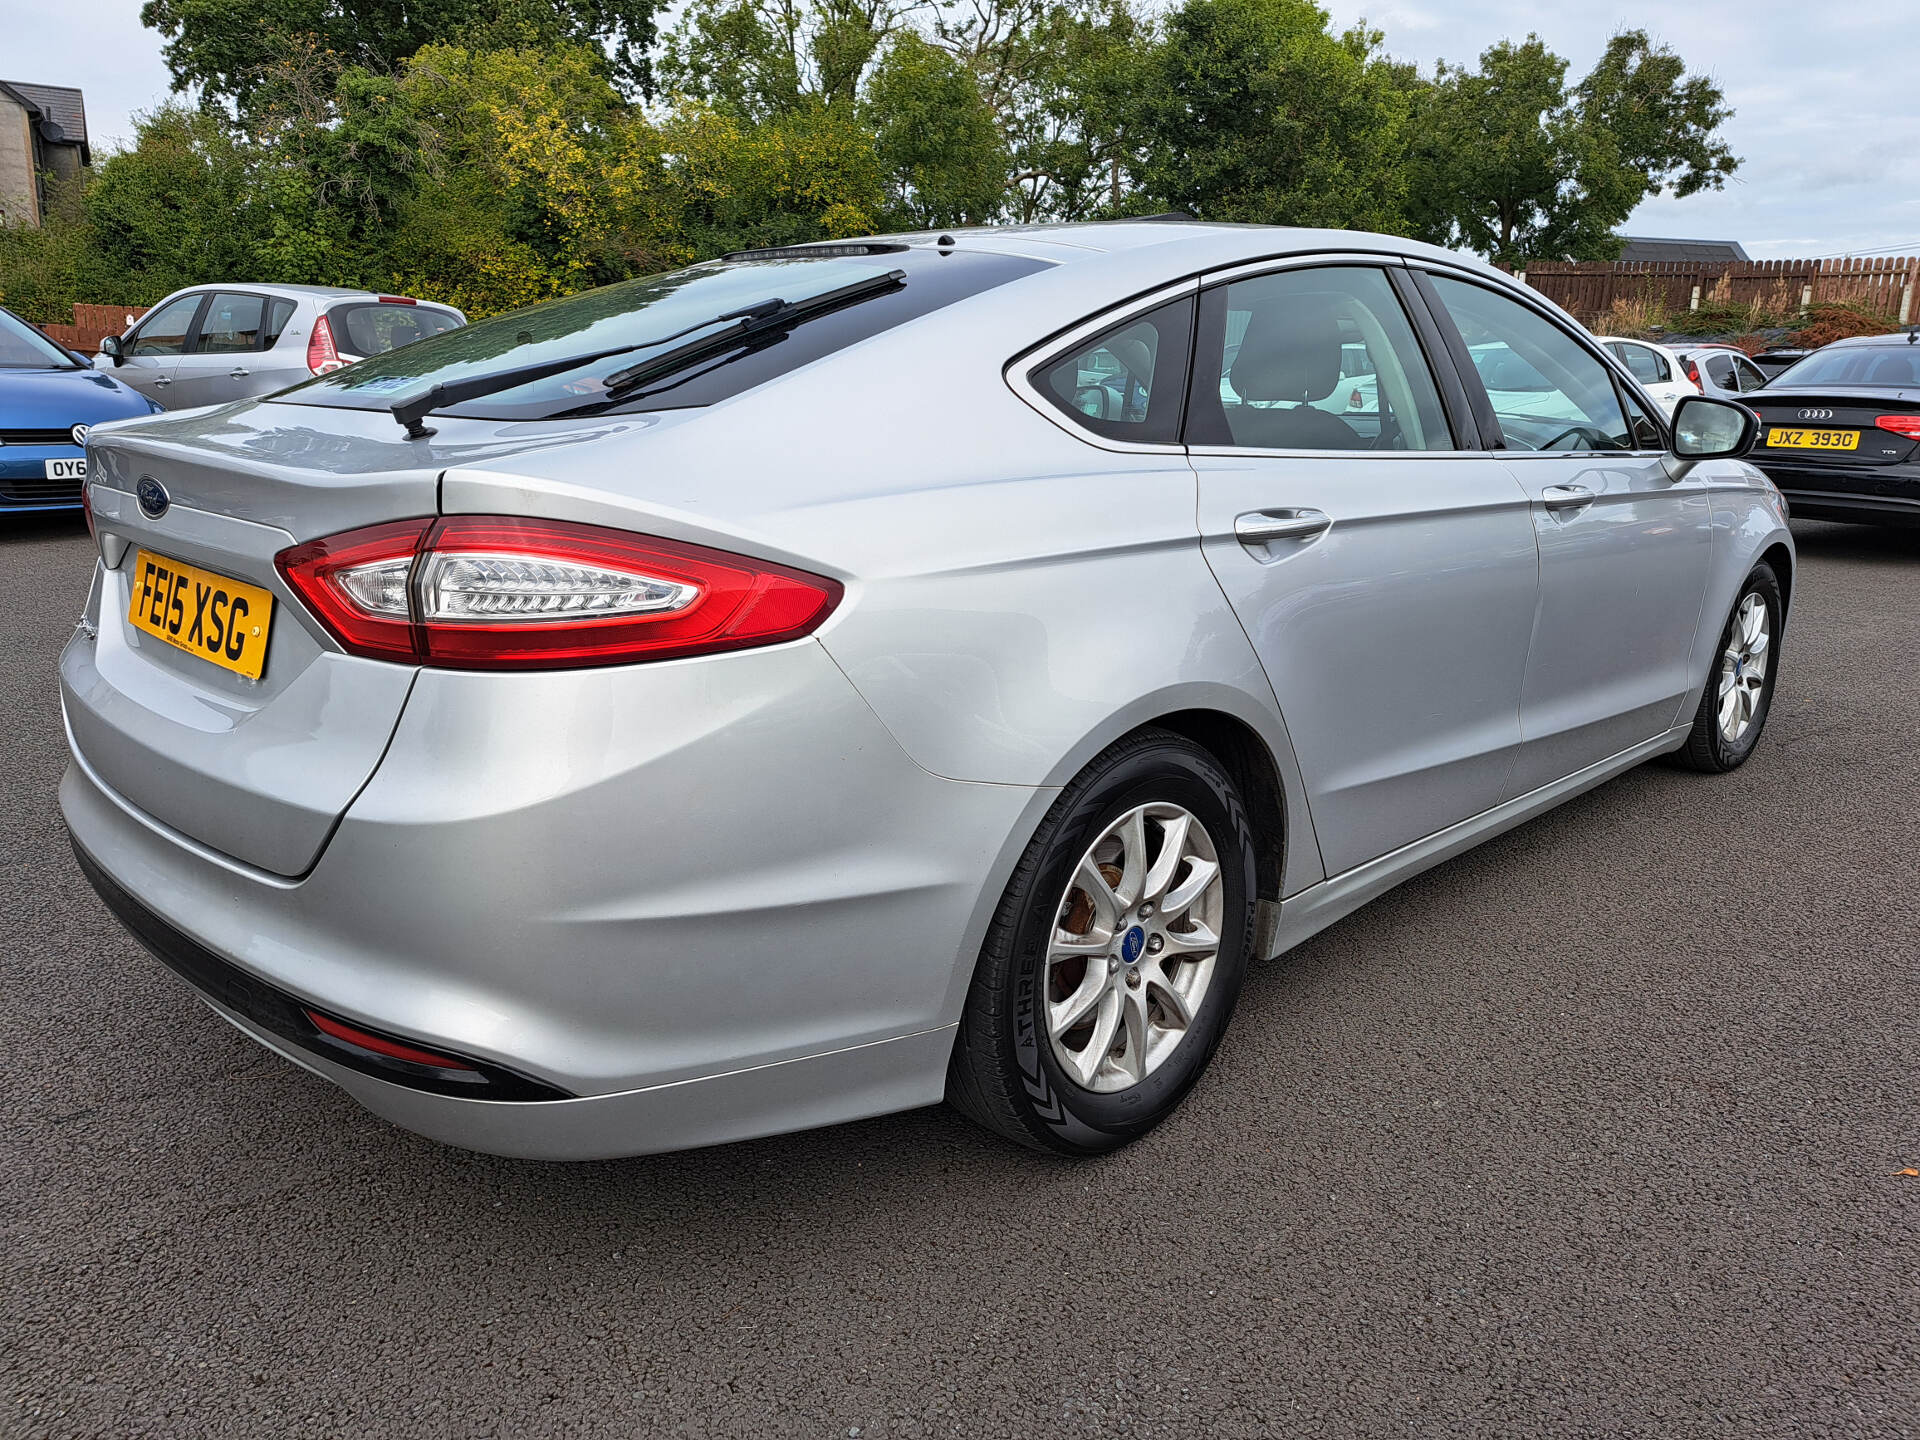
163 380
238 374
1566 497
1263 527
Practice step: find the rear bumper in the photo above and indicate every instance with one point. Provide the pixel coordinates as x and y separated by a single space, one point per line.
1848 492
1838 505
713 897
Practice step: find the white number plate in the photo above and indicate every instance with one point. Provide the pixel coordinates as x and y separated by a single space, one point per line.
66 469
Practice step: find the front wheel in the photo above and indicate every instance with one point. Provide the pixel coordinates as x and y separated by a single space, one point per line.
1739 692
1116 955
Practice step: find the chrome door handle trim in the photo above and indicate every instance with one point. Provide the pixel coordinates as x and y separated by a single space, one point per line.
1566 497
1263 527
238 374
163 380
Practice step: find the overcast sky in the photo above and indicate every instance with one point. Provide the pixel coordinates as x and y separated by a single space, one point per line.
1826 95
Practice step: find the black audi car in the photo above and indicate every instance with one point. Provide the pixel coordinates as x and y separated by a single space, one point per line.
1840 430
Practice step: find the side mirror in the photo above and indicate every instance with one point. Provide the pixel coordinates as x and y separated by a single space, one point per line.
1708 428
111 347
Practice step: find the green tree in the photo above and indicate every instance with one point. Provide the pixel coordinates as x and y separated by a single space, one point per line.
935 136
1511 161
1060 78
226 47
1253 110
179 207
760 58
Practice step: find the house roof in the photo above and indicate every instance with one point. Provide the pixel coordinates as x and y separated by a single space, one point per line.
63 105
1644 247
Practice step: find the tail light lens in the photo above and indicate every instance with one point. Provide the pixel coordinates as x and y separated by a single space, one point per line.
1693 371
1907 425
322 354
498 592
86 507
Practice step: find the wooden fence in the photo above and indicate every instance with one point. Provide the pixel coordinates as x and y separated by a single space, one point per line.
91 324
1589 288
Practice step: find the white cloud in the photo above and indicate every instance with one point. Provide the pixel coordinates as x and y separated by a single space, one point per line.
1827 121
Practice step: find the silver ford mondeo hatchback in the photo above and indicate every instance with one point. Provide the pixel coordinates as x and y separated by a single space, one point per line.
828 680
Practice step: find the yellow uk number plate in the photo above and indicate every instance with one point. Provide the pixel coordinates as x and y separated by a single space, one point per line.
1783 439
203 613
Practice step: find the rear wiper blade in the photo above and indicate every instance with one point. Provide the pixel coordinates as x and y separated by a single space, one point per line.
769 317
409 411
747 322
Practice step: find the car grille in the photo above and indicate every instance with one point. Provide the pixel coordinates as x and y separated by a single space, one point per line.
37 437
33 487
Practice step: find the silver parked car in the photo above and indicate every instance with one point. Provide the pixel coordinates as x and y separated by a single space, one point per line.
1720 369
210 344
830 679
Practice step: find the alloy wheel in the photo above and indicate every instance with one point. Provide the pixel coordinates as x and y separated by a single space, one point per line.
1133 947
1743 666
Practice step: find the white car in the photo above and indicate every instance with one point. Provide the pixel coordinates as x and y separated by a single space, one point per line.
1719 369
1657 368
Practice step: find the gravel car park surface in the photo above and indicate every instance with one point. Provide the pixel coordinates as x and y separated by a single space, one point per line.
1592 1131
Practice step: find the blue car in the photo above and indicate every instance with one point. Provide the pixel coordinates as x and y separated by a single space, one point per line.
48 399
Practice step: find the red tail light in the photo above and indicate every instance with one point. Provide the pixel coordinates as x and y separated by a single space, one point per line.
498 592
1907 425
322 355
396 300
1693 371
86 507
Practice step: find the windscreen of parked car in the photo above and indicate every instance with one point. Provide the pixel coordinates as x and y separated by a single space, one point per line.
24 348
647 311
1894 366
376 326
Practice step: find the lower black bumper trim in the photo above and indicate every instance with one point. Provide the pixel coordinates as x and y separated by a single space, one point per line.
279 1013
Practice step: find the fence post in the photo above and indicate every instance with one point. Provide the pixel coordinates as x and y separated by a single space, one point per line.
1906 292
1693 300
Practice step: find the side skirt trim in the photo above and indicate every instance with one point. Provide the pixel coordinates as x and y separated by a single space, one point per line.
1306 914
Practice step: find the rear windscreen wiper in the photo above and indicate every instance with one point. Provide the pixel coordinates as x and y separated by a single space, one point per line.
770 317
773 314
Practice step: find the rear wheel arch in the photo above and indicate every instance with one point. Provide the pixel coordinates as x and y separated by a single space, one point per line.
1244 755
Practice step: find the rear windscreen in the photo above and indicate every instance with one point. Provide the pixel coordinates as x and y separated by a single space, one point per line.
642 315
1895 366
374 329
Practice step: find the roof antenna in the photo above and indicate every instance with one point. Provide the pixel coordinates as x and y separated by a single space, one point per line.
945 242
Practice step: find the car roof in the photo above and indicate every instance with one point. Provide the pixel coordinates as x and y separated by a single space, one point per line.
1210 242
1899 337
294 292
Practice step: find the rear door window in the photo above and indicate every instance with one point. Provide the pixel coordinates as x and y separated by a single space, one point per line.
375 327
1643 364
1719 370
1128 383
231 324
1313 359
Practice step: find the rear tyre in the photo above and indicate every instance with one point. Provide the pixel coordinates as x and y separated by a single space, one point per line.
1115 956
1733 709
